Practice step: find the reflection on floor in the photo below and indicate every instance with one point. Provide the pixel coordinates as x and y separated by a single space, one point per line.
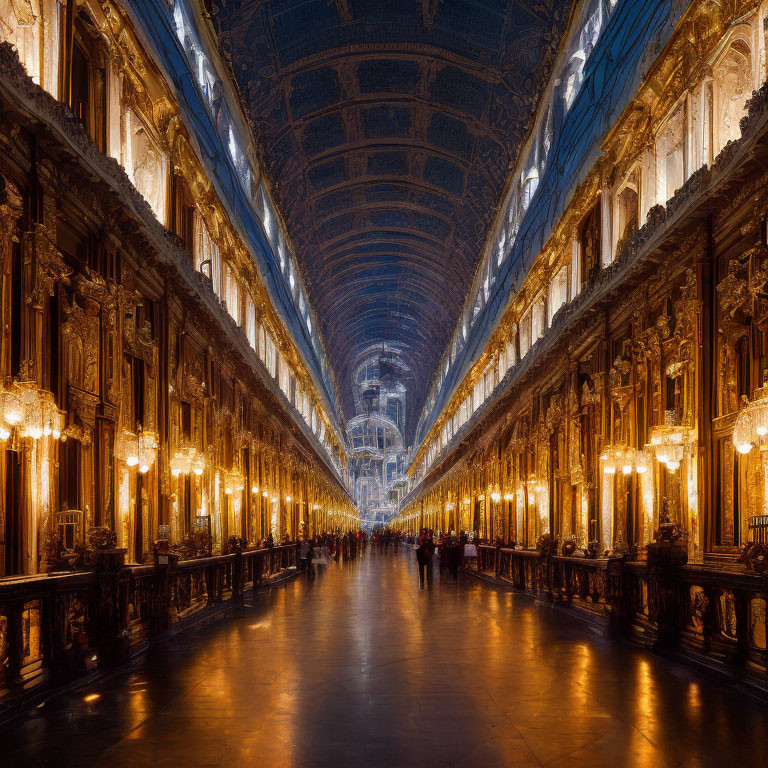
361 668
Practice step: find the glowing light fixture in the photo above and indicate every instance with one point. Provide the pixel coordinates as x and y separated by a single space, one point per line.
234 482
30 410
188 460
137 450
751 425
669 443
624 458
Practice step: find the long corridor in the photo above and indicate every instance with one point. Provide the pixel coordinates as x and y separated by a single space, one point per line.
361 668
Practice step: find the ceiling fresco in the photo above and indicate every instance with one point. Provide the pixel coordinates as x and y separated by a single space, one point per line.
387 128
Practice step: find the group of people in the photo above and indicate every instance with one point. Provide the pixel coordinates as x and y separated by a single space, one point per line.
319 550
386 539
451 550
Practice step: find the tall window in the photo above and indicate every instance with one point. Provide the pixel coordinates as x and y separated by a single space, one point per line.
528 188
232 296
207 256
88 80
250 321
626 211
733 80
558 292
271 356
183 213
538 320
269 220
525 332
510 357
21 25
285 376
670 156
146 164
590 245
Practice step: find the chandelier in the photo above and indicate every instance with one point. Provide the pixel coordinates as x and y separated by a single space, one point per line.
534 486
188 460
751 428
137 450
29 410
669 444
234 482
622 458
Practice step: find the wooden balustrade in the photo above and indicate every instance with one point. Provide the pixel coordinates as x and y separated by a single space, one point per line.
57 627
714 619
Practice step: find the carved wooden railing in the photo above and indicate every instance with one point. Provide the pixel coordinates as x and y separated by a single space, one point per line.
713 618
60 626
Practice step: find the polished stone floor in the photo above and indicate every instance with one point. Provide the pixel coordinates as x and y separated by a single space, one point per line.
361 668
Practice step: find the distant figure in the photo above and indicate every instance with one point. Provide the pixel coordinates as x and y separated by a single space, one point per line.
424 555
304 550
319 557
454 557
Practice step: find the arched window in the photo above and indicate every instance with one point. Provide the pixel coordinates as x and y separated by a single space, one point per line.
733 81
670 156
528 188
626 210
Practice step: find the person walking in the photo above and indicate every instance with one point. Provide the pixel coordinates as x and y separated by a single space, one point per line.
304 550
454 556
319 557
424 555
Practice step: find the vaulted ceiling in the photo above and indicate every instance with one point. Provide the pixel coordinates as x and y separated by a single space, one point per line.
387 128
